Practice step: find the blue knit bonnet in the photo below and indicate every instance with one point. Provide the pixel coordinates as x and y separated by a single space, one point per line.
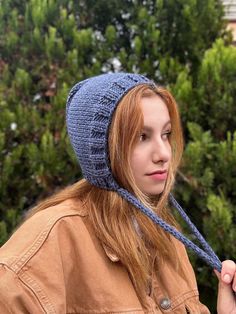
90 107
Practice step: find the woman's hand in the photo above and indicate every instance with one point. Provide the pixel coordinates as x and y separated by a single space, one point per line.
226 301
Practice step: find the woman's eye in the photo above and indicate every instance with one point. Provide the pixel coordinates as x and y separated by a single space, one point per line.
166 134
142 137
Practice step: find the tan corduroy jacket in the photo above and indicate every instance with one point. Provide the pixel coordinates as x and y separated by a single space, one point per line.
54 264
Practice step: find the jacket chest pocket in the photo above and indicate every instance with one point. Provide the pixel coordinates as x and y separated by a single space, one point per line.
184 304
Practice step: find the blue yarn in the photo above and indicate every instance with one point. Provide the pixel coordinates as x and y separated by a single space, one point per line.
207 254
90 107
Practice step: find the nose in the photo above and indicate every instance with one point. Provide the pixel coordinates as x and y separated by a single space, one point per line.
161 151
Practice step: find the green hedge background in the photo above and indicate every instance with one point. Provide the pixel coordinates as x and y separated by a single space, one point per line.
48 45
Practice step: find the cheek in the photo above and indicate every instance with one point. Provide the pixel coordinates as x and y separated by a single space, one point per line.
136 161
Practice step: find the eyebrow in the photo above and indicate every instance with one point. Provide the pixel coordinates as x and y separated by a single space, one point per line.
147 128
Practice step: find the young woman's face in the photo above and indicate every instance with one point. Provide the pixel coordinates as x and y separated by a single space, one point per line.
151 156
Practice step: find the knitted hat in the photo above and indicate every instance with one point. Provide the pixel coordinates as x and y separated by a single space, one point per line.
90 107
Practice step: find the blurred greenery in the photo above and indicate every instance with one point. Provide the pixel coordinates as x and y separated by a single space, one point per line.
48 45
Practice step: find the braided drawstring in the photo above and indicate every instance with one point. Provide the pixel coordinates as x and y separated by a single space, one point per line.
206 254
193 228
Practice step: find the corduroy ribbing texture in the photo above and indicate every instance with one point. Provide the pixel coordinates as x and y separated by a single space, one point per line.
90 108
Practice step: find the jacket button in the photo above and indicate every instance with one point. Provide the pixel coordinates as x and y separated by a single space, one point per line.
165 303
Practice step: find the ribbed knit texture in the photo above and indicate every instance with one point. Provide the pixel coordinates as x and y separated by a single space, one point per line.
90 107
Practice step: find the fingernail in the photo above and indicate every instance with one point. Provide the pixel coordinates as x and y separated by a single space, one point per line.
227 278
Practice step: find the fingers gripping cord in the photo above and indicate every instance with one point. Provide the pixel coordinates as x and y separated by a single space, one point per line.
206 254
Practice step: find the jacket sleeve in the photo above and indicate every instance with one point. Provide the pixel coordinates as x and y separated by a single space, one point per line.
15 296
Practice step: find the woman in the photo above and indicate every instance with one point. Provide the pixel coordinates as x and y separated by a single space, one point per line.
91 248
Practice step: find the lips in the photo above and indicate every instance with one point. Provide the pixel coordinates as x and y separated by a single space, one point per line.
157 172
159 175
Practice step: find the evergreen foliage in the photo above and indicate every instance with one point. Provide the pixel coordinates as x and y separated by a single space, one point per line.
48 45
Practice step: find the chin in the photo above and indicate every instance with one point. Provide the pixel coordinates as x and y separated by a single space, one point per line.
153 193
156 190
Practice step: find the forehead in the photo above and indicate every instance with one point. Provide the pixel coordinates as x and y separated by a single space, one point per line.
155 111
